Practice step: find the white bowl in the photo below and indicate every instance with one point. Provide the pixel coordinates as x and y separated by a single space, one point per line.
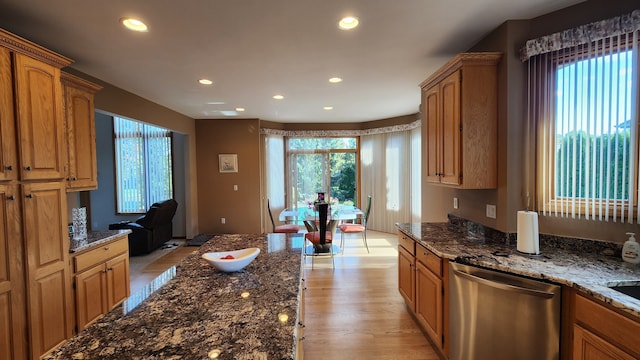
242 258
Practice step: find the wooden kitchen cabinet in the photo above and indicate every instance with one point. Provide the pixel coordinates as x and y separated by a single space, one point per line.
49 305
13 327
40 119
101 280
36 302
602 333
460 119
81 133
422 282
8 157
406 270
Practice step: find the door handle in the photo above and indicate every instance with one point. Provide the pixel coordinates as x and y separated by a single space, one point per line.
503 286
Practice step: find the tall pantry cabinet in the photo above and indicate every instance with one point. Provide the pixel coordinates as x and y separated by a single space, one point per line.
36 304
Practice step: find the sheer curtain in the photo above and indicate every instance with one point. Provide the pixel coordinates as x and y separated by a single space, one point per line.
385 166
273 175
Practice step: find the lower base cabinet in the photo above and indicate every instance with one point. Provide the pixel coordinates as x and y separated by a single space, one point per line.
422 284
600 333
101 280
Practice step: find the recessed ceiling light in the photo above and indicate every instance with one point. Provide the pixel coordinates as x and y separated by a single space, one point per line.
335 80
215 102
348 23
328 107
240 109
205 81
134 24
278 97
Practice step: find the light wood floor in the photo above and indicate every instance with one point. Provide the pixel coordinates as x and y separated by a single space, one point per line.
351 312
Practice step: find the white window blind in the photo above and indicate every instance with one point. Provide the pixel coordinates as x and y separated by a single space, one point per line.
583 104
143 158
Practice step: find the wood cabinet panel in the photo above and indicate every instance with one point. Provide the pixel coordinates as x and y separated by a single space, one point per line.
429 302
47 265
431 133
611 326
91 296
407 243
40 126
450 140
589 346
81 133
8 157
100 254
406 277
432 261
13 333
118 284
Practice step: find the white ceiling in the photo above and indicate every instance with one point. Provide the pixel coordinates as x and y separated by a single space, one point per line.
253 49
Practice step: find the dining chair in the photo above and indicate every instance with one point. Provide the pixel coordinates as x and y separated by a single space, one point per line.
354 228
284 228
322 239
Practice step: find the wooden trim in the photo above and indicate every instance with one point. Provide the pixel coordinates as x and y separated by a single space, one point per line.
463 59
78 82
23 46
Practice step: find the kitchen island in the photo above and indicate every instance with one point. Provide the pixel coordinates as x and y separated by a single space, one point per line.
203 313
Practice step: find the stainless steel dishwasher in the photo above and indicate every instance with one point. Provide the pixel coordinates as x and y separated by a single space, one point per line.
497 316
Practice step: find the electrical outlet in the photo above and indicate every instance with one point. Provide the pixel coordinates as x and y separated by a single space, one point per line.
491 211
235 187
223 220
455 202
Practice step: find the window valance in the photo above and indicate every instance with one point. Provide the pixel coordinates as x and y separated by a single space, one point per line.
339 133
580 35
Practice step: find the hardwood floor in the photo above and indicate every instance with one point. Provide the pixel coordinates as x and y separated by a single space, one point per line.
355 311
351 312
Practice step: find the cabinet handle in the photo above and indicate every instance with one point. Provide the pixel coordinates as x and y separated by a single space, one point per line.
27 168
11 197
8 167
106 248
301 324
74 178
29 196
110 269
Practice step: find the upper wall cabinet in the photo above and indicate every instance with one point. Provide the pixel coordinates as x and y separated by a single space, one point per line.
8 157
460 119
81 133
30 79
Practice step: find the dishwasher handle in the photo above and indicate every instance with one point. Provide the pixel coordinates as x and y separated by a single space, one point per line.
503 286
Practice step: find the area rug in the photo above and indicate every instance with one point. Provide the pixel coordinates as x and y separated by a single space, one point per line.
199 240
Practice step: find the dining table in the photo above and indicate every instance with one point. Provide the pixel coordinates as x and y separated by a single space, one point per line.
309 213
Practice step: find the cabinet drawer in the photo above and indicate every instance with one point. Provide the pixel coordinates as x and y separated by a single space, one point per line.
100 254
610 325
429 259
406 242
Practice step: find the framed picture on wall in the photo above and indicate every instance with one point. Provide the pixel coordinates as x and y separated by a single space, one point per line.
228 163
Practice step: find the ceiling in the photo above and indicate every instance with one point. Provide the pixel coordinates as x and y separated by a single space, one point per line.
254 49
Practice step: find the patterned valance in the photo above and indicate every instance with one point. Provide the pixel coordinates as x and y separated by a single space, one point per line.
339 133
580 35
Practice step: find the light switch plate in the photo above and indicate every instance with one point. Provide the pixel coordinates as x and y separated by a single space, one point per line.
491 211
455 202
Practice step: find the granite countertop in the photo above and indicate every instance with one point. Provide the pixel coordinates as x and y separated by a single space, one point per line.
202 310
95 238
582 267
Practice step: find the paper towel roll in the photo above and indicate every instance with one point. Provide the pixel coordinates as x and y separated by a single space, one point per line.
528 239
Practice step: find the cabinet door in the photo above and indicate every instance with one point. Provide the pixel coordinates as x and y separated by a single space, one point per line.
450 93
8 158
429 302
91 295
118 287
13 332
406 277
588 346
40 125
81 139
431 133
47 265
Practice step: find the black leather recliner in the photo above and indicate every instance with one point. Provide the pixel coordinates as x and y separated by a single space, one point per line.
152 230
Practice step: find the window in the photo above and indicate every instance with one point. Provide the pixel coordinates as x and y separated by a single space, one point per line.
584 101
143 158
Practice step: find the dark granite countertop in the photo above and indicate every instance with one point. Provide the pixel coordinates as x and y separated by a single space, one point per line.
590 268
95 238
202 310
